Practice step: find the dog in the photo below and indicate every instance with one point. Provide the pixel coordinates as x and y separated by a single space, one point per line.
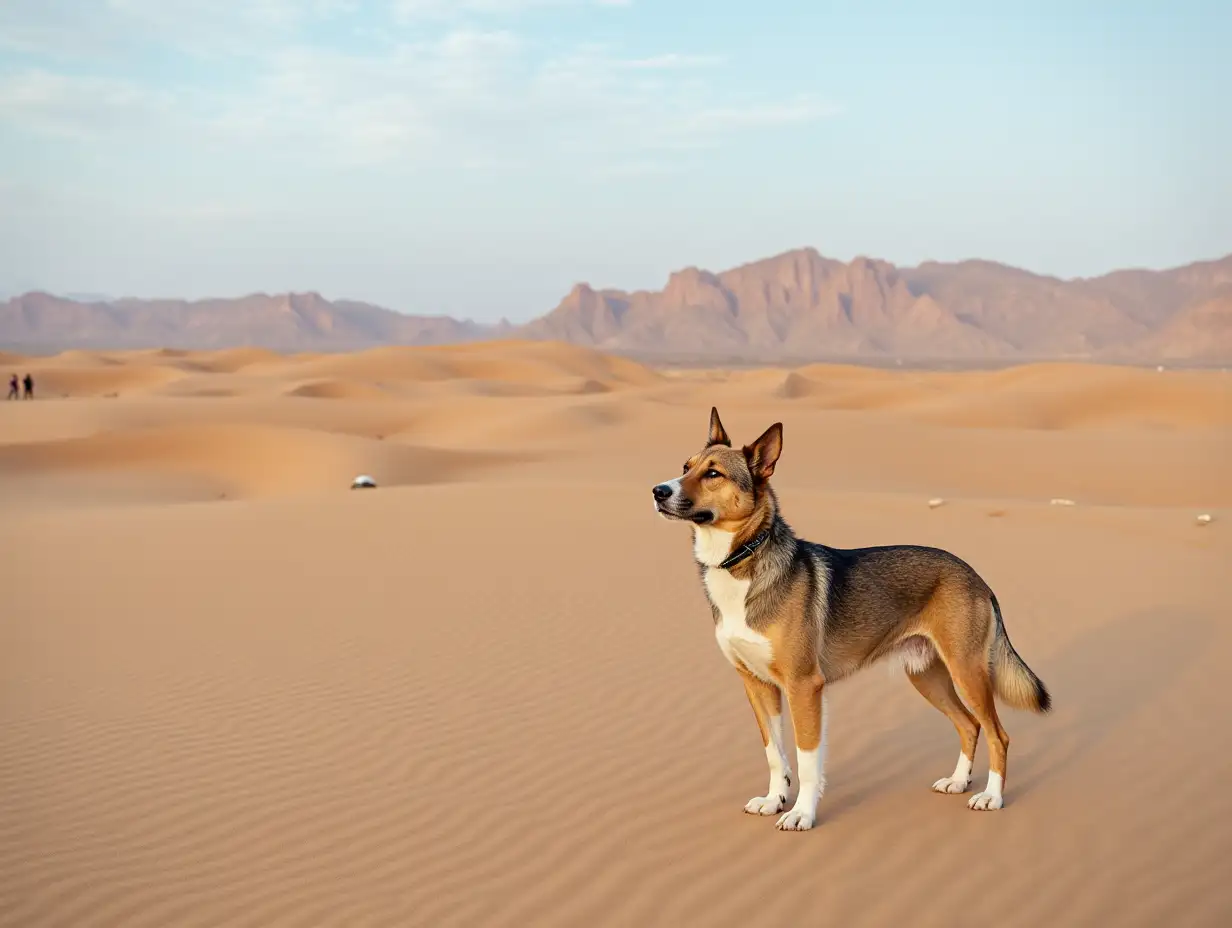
795 617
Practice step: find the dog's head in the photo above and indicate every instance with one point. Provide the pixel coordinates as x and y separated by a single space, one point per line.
721 485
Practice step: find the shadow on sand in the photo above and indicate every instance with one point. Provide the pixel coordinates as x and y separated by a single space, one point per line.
1117 668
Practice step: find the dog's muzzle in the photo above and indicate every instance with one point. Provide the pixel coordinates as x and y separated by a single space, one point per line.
671 505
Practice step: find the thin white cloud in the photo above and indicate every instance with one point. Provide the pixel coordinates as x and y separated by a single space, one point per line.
56 28
80 107
176 16
673 61
634 168
757 115
409 11
73 30
461 95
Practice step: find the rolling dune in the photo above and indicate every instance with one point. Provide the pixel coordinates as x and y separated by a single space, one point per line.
243 460
337 390
1037 396
103 380
235 692
533 363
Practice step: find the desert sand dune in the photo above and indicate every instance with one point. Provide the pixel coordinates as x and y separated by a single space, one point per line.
337 390
487 693
103 380
83 358
243 460
232 360
1037 396
509 362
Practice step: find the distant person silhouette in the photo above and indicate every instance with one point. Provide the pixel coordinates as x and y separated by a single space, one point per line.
13 394
29 387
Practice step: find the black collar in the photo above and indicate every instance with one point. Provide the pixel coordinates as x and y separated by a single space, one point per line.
745 551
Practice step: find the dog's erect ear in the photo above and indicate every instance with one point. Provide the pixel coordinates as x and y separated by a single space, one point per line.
718 434
764 453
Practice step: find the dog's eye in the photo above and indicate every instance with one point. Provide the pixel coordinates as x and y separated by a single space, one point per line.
685 470
712 473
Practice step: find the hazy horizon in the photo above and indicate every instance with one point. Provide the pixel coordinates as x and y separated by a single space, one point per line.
478 158
89 297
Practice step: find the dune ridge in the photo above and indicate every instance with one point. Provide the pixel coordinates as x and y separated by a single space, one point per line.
245 460
236 692
252 423
1042 396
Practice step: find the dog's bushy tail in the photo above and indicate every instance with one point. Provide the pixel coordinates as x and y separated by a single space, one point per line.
1013 680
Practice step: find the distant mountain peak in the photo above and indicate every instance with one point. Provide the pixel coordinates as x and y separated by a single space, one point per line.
794 305
800 304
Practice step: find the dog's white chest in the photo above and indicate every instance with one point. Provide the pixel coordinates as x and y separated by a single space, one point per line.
740 644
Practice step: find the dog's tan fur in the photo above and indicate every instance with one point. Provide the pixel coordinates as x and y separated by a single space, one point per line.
824 613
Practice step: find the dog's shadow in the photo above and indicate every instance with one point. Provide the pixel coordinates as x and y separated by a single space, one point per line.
1099 679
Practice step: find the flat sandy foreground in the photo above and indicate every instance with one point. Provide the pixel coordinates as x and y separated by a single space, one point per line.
235 692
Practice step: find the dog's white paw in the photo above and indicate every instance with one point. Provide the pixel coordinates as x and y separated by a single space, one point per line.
952 785
766 805
985 802
796 820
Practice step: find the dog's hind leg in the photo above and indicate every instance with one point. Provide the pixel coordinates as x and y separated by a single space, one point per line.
975 685
935 684
767 703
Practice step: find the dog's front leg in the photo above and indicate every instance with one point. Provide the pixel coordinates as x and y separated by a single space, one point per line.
767 703
807 700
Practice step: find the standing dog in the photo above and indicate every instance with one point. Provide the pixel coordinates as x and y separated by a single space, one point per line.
794 617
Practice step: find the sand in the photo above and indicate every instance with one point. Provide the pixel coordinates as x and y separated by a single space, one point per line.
234 692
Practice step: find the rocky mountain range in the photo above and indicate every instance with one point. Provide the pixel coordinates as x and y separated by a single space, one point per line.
283 322
795 306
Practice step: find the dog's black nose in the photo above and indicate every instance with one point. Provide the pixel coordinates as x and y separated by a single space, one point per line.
662 492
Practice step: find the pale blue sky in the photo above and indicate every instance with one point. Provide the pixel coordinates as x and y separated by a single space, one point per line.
478 157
